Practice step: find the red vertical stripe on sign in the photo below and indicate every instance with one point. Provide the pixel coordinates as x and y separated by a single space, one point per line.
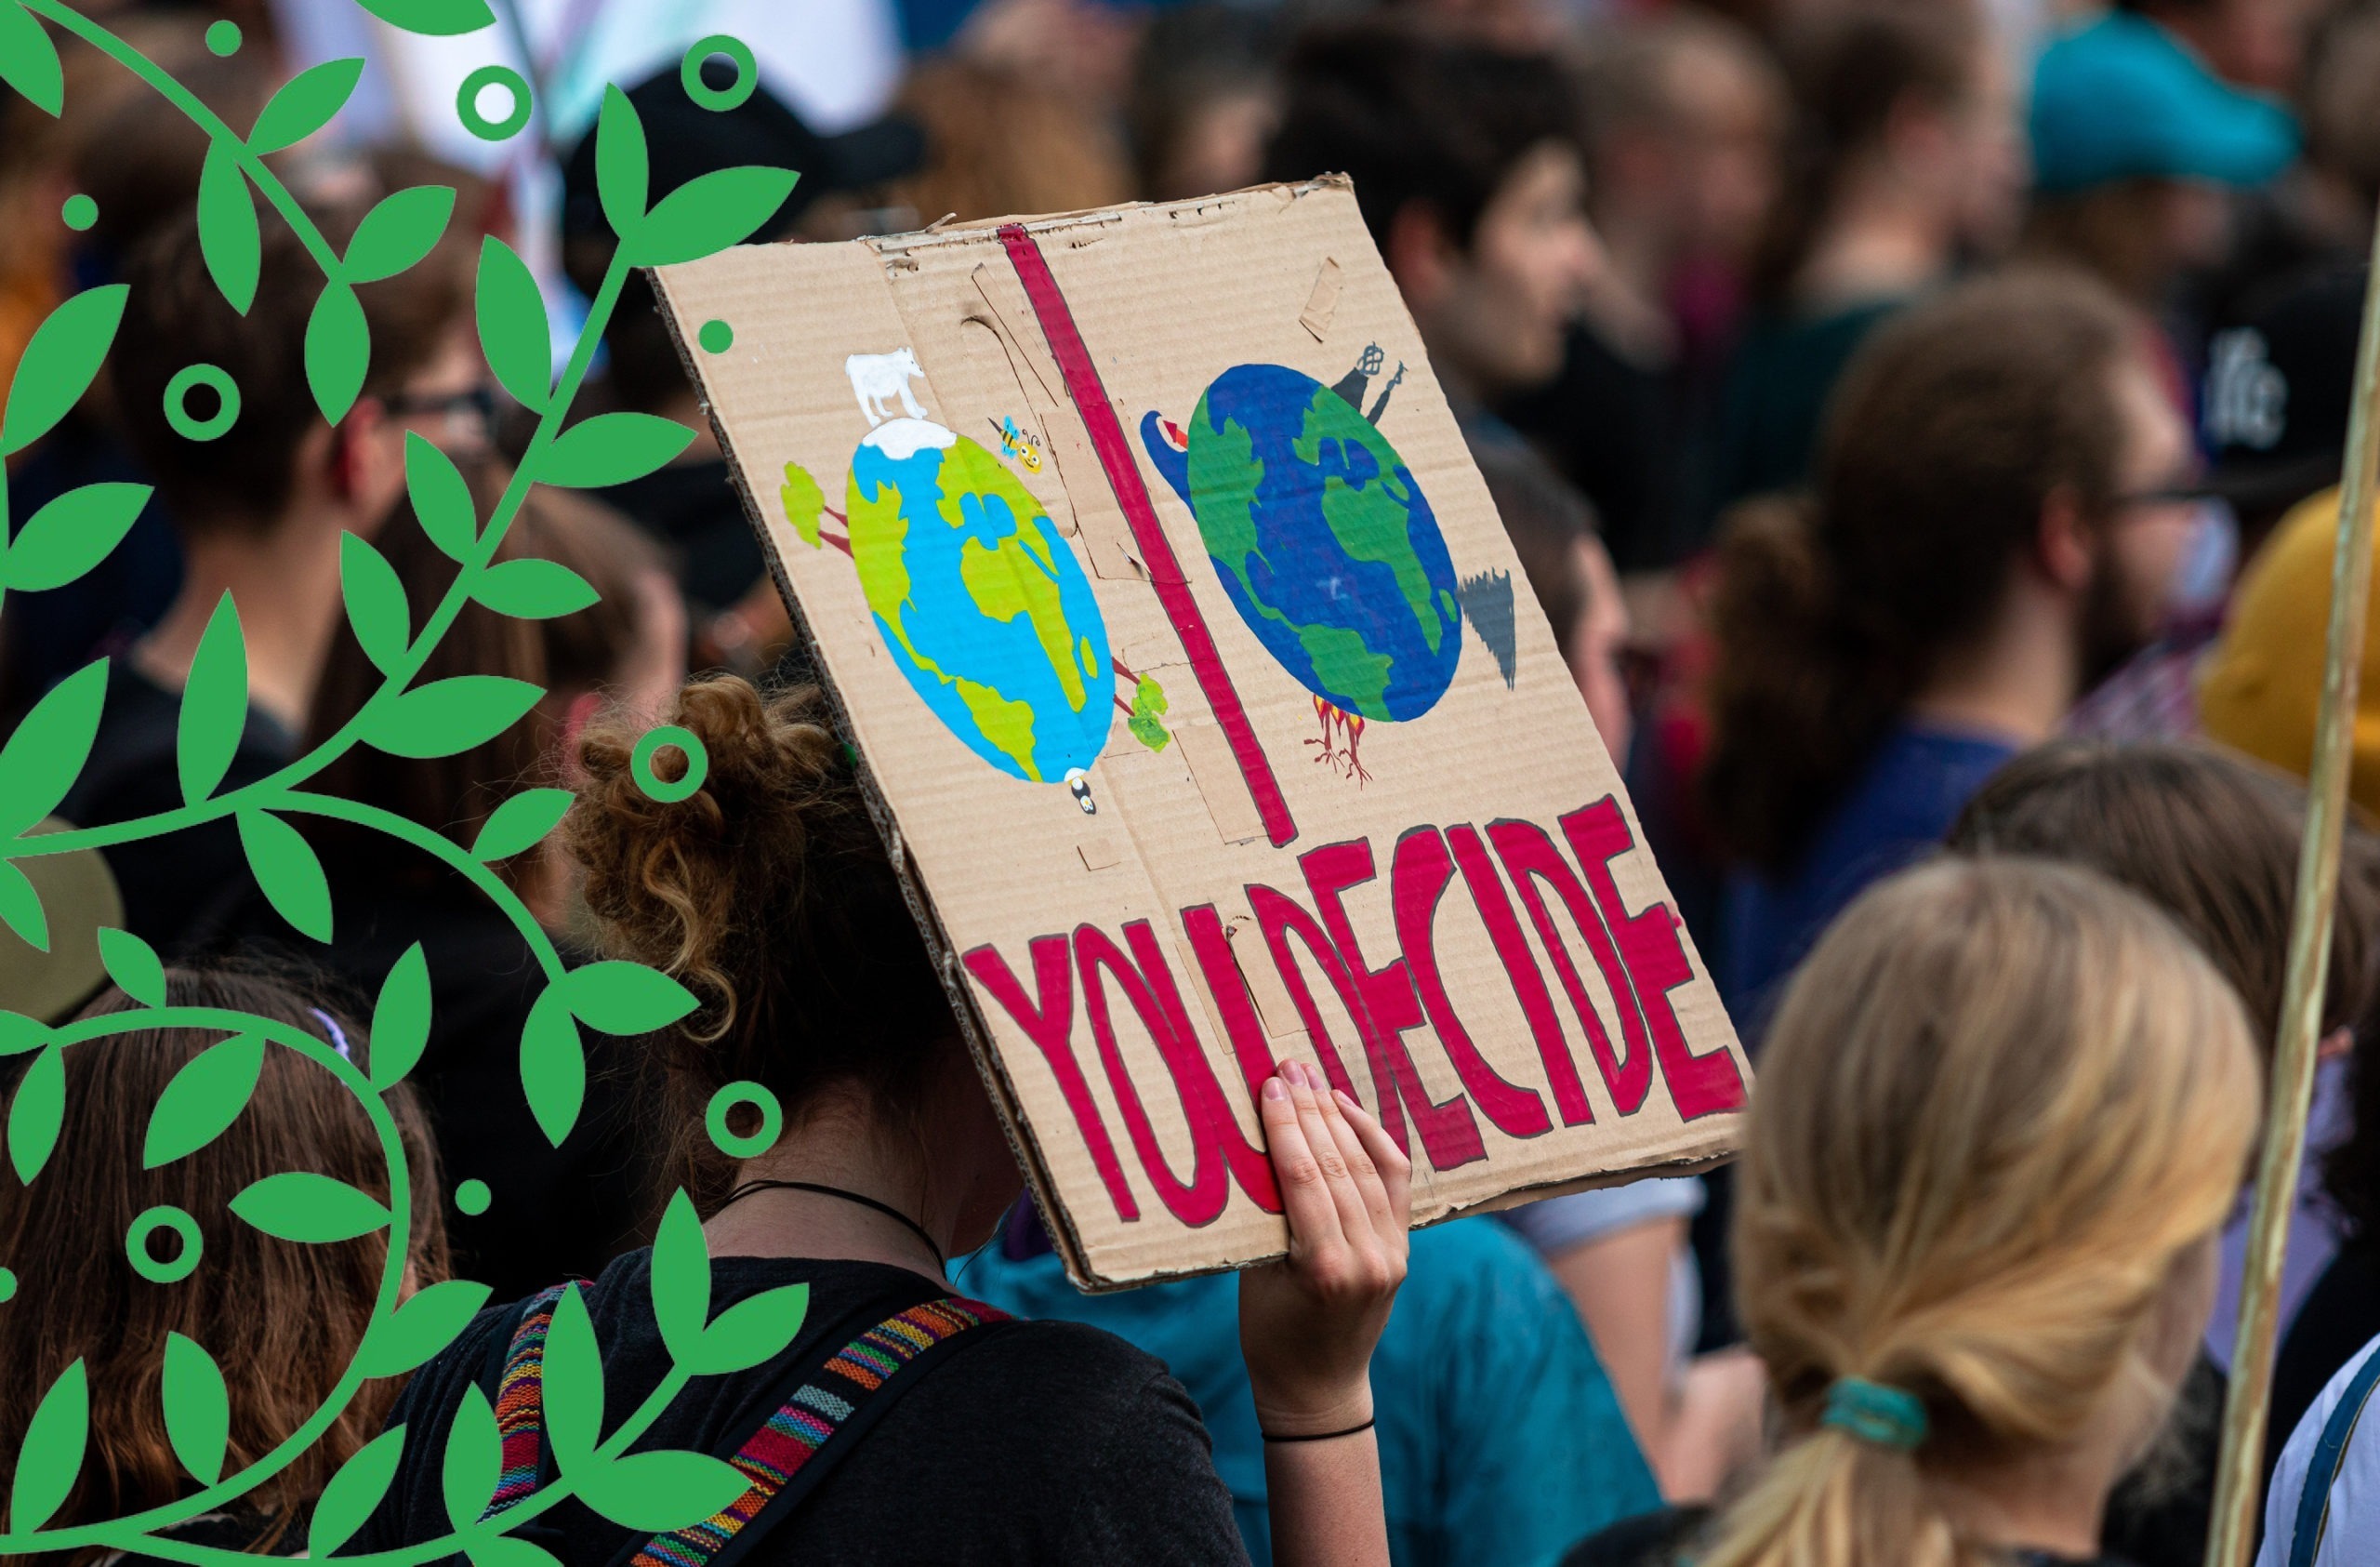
1124 477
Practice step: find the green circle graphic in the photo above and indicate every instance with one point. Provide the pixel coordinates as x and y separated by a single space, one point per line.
717 337
720 99
79 212
471 1196
755 1143
177 391
223 37
640 764
7 1285
136 1244
467 102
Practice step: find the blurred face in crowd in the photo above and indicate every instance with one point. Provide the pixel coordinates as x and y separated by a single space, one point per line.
1710 160
2259 44
1987 163
447 402
1595 649
1493 316
2144 540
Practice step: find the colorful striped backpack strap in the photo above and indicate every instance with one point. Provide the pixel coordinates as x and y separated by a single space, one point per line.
519 1409
812 1431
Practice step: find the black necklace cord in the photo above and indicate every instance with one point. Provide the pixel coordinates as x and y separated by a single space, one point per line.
890 1212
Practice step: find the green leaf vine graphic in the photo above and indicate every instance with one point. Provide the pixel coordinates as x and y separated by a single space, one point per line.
644 1490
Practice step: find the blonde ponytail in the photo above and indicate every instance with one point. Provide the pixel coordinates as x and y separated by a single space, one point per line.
2000 1102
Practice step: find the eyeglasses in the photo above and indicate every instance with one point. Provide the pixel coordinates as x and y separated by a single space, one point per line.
475 404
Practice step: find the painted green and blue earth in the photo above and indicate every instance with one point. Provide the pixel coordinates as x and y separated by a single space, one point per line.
983 607
1323 541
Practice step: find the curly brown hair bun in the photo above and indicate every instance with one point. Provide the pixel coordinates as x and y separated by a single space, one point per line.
768 895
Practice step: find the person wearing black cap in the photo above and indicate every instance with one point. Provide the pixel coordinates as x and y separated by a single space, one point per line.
690 507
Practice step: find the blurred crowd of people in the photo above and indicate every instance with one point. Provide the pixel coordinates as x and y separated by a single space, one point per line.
1919 421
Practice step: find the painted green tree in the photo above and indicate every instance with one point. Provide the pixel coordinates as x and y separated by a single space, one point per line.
652 1490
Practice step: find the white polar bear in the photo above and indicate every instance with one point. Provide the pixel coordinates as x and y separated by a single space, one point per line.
879 377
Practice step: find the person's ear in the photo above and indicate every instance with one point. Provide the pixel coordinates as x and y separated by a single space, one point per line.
2065 547
1421 255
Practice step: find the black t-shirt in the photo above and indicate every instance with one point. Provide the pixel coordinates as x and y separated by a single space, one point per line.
176 888
1044 1442
1665 1538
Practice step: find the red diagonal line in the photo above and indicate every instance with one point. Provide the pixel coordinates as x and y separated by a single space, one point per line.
1124 477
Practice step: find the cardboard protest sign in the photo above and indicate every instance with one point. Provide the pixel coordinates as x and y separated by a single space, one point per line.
1206 709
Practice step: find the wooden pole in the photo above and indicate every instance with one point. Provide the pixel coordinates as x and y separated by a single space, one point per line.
2241 1473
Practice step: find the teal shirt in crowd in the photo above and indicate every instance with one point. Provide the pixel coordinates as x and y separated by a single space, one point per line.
1501 1443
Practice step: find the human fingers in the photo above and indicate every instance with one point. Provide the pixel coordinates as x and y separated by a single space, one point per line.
1370 1183
1305 1197
1396 1169
1311 1093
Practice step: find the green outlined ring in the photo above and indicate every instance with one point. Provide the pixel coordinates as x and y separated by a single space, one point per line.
755 1143
688 745
164 1215
178 390
720 99
467 102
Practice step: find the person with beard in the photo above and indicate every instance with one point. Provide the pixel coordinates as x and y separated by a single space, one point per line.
1993 528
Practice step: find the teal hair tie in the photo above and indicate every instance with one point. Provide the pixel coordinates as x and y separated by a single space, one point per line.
1872 1411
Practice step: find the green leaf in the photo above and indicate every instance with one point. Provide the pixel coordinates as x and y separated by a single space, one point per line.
529 589
621 997
712 212
507 1550
681 1269
573 1383
442 501
20 907
447 716
133 965
198 1413
20 1034
421 1328
39 764
433 19
339 350
376 603
521 823
513 331
304 105
29 61
228 236
663 1491
474 1456
215 703
51 1454
620 172
72 534
59 361
752 1332
204 1098
553 1065
354 1491
300 1205
37 1111
612 449
289 871
401 1019
803 502
399 231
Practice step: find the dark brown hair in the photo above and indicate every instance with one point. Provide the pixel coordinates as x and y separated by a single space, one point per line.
1851 67
455 794
1546 519
282 1319
1417 118
1952 429
175 318
769 893
2209 837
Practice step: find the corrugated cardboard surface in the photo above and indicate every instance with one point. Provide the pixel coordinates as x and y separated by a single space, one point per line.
1005 869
